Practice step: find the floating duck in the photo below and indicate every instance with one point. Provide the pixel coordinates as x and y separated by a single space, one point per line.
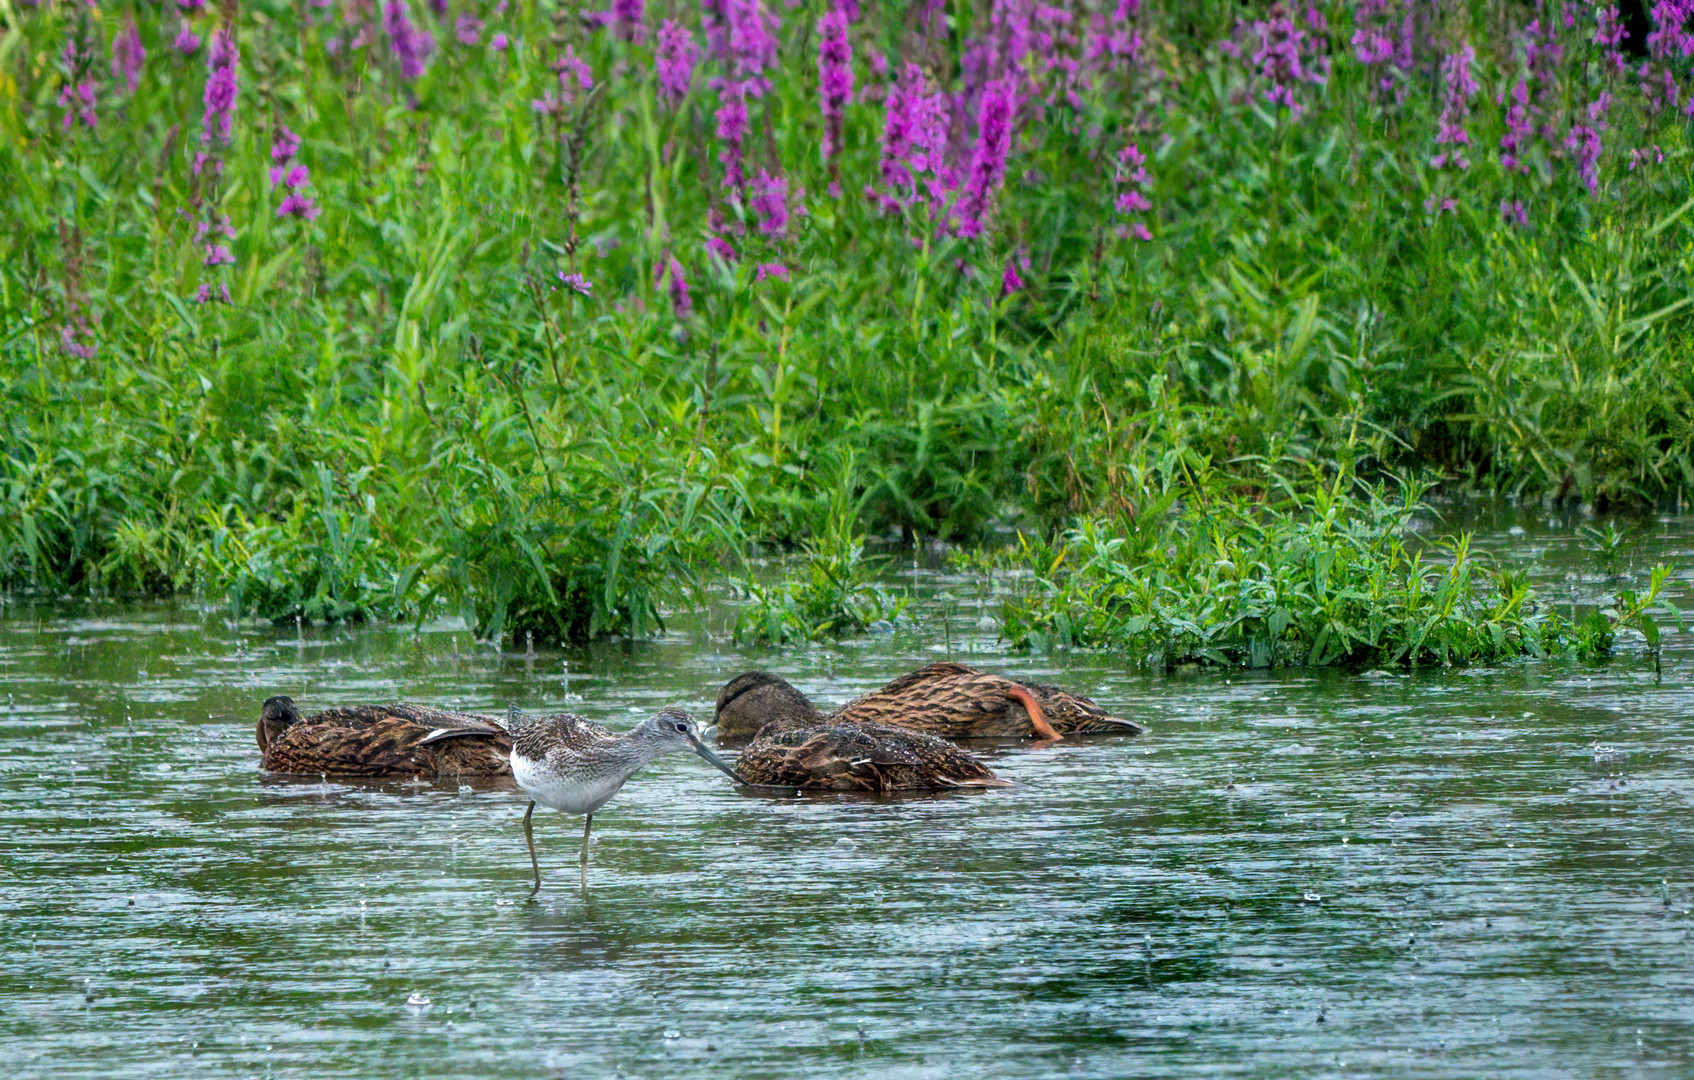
380 740
945 699
826 756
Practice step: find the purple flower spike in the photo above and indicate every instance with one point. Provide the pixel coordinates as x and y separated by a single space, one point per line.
573 68
219 118
1460 88
128 55
297 205
411 46
78 102
628 17
835 77
1132 182
499 42
988 163
218 255
467 29
674 62
1514 212
770 202
680 302
577 282
765 270
719 247
284 147
1010 282
187 43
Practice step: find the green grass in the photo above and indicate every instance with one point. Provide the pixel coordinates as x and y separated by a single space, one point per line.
400 415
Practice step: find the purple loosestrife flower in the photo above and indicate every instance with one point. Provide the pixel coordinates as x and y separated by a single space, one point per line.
740 34
1010 282
673 62
1608 34
988 162
283 148
411 46
128 55
914 142
291 175
770 203
835 77
467 29
573 68
78 95
668 266
731 116
1455 108
628 16
219 118
187 42
1281 58
718 247
577 282
191 5
769 270
1131 178
1584 142
1519 130
1514 212
498 42
1115 36
296 205
78 101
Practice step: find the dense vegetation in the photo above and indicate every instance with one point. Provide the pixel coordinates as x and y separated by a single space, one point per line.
543 315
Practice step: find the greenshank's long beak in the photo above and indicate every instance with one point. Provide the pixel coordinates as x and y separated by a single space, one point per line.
706 752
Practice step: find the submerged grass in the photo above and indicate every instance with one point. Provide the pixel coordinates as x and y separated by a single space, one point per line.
543 336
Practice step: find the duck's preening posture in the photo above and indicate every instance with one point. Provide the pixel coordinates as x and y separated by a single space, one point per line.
572 764
380 740
826 756
945 699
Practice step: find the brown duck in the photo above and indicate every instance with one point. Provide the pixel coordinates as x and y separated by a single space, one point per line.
826 756
381 740
946 699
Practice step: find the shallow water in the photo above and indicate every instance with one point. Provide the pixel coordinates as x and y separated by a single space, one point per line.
1466 873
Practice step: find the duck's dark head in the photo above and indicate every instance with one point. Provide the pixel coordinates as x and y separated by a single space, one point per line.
748 702
277 716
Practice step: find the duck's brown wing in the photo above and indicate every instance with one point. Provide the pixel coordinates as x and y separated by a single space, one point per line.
941 669
950 700
849 757
386 746
363 716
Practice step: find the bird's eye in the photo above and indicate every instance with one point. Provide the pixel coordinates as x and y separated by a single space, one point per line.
682 725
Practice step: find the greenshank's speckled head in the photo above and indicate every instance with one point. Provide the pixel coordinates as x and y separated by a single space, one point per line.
672 725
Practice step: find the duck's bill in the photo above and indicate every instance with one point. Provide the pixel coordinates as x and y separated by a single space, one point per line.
706 752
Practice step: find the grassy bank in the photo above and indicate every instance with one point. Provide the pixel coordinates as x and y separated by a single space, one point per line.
526 326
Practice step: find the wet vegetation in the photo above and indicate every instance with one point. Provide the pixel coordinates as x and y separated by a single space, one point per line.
551 320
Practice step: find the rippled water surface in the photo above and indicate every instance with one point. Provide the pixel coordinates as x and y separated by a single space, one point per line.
1461 874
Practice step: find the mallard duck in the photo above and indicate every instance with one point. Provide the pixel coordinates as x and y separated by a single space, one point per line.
380 740
827 756
946 699
570 763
